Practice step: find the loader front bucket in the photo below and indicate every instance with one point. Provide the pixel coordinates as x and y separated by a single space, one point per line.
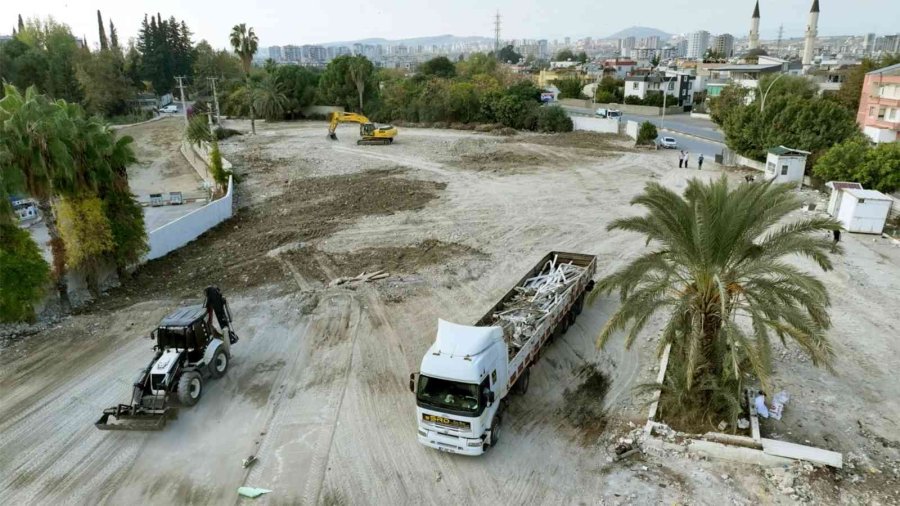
131 421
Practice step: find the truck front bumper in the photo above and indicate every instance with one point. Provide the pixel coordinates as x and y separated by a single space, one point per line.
451 444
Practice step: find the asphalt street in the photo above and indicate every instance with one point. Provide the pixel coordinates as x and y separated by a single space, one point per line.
694 135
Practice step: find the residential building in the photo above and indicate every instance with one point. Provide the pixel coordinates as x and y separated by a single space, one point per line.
869 43
621 67
643 86
682 48
275 53
888 44
697 44
879 104
292 53
626 45
746 75
649 42
723 45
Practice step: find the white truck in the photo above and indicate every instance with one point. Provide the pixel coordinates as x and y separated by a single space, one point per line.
462 385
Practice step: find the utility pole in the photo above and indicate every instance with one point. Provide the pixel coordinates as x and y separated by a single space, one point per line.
183 105
497 35
780 35
216 99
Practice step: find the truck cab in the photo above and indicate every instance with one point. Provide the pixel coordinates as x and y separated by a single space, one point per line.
459 389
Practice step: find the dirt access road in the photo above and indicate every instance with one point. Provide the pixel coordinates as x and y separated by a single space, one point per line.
317 389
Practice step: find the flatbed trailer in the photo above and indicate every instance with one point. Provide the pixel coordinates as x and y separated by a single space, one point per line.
467 374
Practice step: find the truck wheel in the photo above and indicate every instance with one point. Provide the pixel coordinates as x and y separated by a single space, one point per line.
564 323
522 383
190 387
218 366
495 430
579 305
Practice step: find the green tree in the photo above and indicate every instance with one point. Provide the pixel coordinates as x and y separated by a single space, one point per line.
299 85
23 274
565 55
464 102
553 119
438 67
731 99
718 268
361 71
245 44
85 229
509 55
107 89
855 160
113 36
517 112
348 81
269 99
654 62
104 42
788 120
646 134
477 63
33 149
582 57
569 87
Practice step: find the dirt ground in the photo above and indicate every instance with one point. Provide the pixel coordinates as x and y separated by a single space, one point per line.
317 388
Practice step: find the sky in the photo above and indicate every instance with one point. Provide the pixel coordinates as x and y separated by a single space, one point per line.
280 22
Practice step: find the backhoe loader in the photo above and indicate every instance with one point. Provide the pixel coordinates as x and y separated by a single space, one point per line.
369 133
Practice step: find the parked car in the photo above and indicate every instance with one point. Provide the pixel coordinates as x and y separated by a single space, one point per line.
171 108
667 142
612 113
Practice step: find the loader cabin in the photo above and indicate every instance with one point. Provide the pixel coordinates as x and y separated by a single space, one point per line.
185 328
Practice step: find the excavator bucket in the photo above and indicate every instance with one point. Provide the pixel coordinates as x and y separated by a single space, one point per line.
123 417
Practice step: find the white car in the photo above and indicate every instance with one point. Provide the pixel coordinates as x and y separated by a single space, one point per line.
667 142
171 108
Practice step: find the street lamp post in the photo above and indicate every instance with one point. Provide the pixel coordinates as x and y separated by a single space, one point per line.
762 102
662 123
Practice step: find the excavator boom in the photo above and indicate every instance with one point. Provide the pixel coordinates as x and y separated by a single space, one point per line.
369 133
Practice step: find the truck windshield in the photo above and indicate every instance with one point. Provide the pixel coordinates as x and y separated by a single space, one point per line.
449 395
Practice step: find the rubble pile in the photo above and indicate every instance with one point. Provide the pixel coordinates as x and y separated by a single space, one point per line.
535 300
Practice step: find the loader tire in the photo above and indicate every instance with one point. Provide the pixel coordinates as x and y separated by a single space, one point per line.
190 388
218 366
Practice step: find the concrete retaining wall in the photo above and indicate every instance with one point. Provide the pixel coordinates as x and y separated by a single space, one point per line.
198 158
602 125
185 229
631 129
732 159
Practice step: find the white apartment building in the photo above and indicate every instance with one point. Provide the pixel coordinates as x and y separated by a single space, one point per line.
697 44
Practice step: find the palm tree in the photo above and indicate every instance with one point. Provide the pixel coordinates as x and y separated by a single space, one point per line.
245 43
718 269
34 130
269 99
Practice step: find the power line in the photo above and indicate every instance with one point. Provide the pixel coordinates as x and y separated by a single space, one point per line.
183 104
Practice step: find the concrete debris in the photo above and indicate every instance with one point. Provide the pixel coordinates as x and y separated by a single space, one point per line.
743 423
364 277
792 481
722 425
252 492
249 461
535 300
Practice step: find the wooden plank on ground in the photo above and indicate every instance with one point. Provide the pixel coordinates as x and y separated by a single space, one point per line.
801 452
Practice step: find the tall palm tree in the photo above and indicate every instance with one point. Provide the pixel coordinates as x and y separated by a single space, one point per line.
245 43
718 268
34 130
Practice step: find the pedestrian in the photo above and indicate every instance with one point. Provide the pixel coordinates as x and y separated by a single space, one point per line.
680 158
837 238
687 156
760 405
700 162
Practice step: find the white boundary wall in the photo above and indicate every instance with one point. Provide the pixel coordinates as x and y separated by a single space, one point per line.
185 229
631 129
602 125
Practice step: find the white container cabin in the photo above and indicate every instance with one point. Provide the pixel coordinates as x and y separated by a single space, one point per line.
786 165
862 211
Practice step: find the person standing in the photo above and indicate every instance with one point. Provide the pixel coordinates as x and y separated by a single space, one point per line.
837 238
700 162
687 156
680 158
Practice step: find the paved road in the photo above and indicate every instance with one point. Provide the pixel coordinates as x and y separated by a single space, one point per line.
702 136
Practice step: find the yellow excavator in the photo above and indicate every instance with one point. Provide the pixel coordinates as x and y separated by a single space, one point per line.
369 133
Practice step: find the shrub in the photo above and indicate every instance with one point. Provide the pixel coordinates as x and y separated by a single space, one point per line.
23 274
198 130
855 160
647 133
220 175
553 119
607 97
633 100
514 111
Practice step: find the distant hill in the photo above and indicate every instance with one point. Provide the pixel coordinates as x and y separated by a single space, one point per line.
415 41
640 32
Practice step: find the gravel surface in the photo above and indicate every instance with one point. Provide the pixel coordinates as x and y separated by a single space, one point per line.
317 388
